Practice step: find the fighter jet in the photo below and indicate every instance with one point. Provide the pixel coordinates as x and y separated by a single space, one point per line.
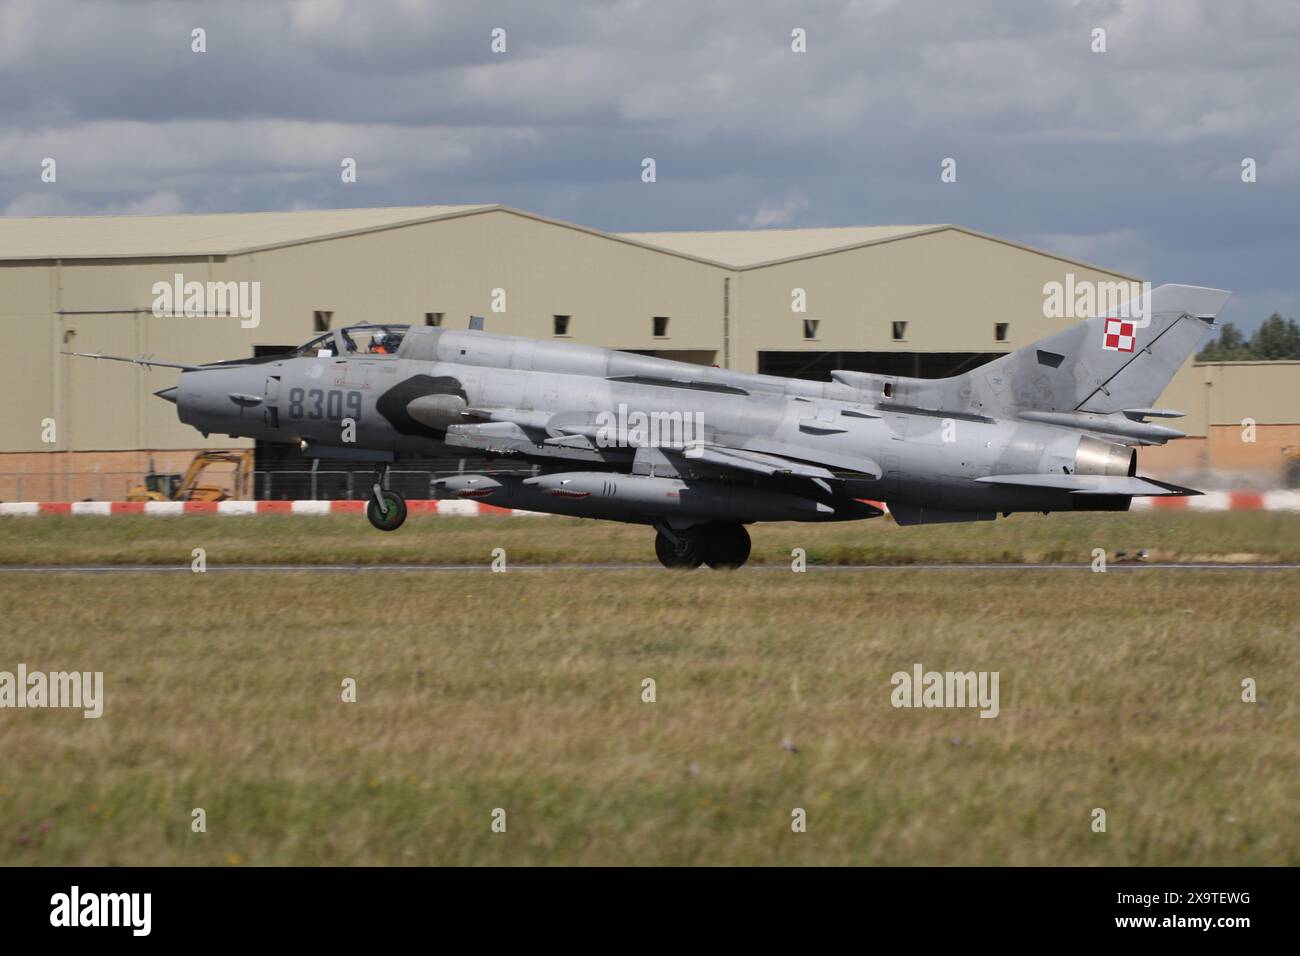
699 453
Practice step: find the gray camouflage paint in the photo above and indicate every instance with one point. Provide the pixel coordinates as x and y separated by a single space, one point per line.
1047 428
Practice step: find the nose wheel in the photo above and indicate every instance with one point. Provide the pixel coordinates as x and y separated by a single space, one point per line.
386 510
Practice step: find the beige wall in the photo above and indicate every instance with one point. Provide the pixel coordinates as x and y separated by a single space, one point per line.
1224 455
28 387
1226 393
1218 398
950 287
99 306
1267 392
611 289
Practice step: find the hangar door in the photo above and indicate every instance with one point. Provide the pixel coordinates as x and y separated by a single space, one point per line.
817 366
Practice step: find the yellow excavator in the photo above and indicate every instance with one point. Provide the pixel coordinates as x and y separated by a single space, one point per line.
160 486
1291 466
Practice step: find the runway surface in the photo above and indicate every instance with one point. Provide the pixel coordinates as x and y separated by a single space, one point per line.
521 568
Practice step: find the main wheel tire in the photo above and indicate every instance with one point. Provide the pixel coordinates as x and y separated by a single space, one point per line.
687 554
728 547
391 521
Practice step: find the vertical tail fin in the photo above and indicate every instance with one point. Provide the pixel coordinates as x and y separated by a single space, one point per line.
1104 364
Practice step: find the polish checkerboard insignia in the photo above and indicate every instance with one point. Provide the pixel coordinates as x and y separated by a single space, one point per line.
1120 336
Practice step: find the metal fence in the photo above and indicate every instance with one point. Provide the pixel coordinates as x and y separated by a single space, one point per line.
329 483
69 486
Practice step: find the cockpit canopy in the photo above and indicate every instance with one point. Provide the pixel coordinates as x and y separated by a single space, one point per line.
365 339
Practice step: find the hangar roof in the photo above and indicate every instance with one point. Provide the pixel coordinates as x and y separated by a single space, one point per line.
749 247
211 234
228 234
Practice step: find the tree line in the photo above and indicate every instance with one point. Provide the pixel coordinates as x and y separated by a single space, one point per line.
1277 338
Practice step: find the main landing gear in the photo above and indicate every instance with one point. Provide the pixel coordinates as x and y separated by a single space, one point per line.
385 509
720 546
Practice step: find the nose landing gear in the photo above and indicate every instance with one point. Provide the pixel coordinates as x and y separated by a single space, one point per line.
386 510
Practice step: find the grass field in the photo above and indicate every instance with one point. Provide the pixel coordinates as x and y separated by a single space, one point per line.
522 691
274 539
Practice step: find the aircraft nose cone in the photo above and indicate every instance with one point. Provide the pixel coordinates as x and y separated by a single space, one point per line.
169 394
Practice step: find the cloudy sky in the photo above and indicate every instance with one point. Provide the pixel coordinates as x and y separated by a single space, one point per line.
1131 158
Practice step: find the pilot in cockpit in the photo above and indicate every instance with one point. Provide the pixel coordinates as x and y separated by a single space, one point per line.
385 343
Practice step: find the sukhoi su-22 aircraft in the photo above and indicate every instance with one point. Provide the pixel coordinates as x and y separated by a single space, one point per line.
698 453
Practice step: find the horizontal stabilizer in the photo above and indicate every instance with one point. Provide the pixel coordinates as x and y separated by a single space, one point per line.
1092 484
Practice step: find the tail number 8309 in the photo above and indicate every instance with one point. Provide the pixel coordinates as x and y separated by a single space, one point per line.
318 404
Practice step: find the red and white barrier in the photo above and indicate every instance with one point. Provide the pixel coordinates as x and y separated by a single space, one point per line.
1223 501
1210 501
172 508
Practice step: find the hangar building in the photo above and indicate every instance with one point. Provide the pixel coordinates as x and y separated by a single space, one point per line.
925 300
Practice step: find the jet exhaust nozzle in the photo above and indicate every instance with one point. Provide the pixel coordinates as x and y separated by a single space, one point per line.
1097 457
168 394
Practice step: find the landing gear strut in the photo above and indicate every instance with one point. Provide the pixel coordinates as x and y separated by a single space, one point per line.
683 549
720 546
386 510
